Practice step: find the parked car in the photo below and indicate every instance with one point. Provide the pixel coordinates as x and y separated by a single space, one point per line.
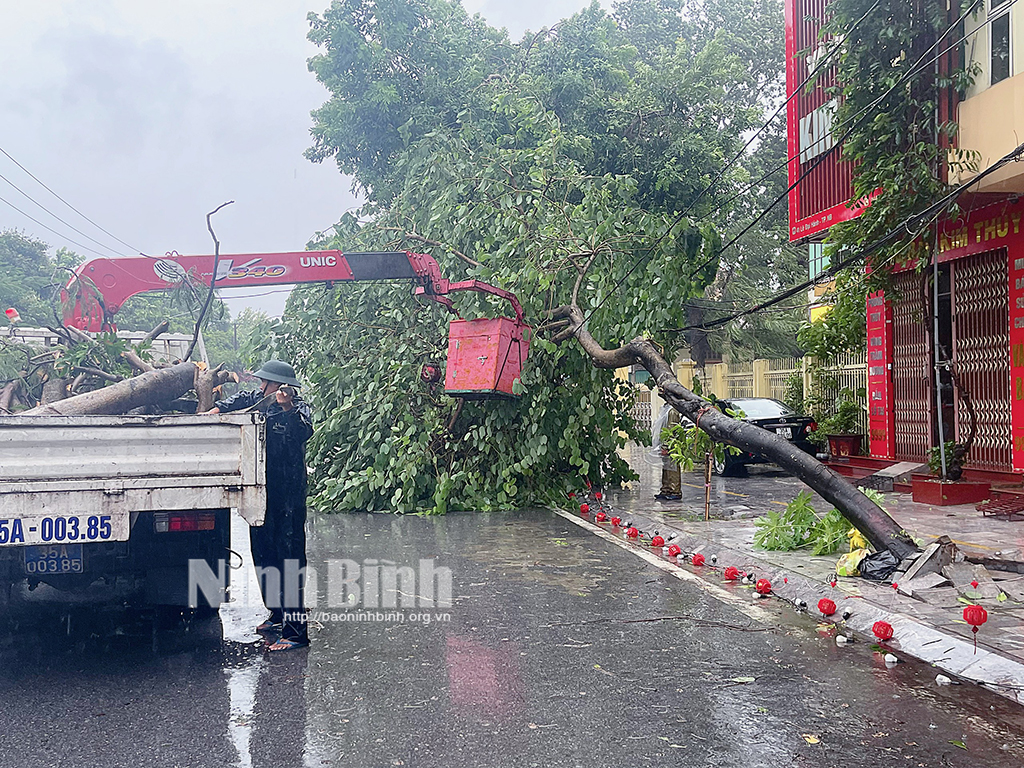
770 414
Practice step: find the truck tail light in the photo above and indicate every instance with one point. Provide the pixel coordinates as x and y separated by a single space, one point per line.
172 522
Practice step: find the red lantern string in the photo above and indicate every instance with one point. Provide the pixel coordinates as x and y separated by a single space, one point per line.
598 496
731 573
674 550
882 630
632 533
763 587
616 521
657 541
584 509
698 559
600 517
826 606
975 615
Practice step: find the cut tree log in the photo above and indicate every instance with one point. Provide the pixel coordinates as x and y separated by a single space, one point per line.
206 381
879 528
147 388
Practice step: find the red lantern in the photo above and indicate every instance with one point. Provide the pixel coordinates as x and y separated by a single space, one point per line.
12 315
632 533
430 374
598 496
882 630
698 559
616 521
584 509
572 494
731 573
657 541
674 549
975 615
763 587
600 517
826 606
974 584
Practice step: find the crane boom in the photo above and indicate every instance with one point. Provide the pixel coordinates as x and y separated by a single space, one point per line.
116 280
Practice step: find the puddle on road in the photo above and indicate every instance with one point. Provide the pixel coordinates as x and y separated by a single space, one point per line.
528 552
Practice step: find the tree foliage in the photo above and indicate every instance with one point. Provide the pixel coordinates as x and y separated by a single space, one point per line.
31 277
554 167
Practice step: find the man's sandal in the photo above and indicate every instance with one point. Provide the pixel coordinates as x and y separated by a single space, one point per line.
286 645
269 626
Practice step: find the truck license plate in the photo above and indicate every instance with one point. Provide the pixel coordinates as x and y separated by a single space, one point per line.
63 529
786 432
55 558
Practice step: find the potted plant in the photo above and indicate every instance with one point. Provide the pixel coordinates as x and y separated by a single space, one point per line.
840 429
951 489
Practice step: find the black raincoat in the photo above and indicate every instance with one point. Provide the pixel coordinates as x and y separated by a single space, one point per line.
282 536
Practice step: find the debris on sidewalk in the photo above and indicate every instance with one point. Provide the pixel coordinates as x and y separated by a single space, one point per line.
972 581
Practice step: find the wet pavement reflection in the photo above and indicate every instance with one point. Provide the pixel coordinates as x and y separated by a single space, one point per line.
559 649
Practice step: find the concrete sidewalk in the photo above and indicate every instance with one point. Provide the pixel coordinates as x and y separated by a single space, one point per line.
932 630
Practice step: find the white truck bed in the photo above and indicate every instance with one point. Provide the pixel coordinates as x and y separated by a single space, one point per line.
114 465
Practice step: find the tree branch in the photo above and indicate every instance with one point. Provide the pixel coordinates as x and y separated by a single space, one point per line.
98 373
880 529
428 241
213 280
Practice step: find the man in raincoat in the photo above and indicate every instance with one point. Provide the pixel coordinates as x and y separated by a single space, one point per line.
280 543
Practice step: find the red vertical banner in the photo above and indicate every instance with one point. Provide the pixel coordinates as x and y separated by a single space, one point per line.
1016 274
881 415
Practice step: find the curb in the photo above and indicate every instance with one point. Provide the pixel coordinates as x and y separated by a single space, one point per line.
950 653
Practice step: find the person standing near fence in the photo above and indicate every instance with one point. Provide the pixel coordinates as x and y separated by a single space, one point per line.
671 481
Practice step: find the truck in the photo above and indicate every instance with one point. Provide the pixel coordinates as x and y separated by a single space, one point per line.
121 507
118 508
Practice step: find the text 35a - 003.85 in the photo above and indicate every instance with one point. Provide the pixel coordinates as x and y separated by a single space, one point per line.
45 530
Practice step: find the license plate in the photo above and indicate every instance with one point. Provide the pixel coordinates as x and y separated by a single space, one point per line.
55 558
63 529
786 432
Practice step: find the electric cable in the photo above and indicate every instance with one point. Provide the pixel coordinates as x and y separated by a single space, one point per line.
862 115
931 212
28 197
51 229
69 205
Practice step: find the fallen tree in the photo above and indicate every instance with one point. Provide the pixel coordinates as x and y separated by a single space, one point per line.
150 388
880 529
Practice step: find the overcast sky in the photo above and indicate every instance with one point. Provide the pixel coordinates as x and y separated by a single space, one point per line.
146 115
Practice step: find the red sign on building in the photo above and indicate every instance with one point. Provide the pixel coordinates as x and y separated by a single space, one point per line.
819 200
881 416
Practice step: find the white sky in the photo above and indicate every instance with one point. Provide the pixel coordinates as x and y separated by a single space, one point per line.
146 115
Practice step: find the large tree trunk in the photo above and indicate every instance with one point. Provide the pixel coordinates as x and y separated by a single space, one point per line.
156 386
880 529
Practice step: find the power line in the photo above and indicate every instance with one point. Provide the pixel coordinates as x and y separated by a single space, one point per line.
931 212
862 115
69 205
51 229
28 197
796 91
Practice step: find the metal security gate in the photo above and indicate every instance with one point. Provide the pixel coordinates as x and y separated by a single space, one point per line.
912 389
981 349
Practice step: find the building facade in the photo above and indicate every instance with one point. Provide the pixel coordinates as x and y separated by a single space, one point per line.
980 256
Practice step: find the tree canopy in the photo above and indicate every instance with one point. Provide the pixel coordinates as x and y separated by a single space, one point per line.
566 165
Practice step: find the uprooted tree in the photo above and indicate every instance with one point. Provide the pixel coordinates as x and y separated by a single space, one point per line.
557 167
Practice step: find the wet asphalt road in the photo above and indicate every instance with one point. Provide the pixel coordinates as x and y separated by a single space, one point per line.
547 658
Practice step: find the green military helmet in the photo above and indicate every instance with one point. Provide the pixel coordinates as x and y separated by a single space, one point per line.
276 370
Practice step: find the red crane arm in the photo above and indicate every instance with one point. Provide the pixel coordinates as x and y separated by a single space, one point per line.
118 279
